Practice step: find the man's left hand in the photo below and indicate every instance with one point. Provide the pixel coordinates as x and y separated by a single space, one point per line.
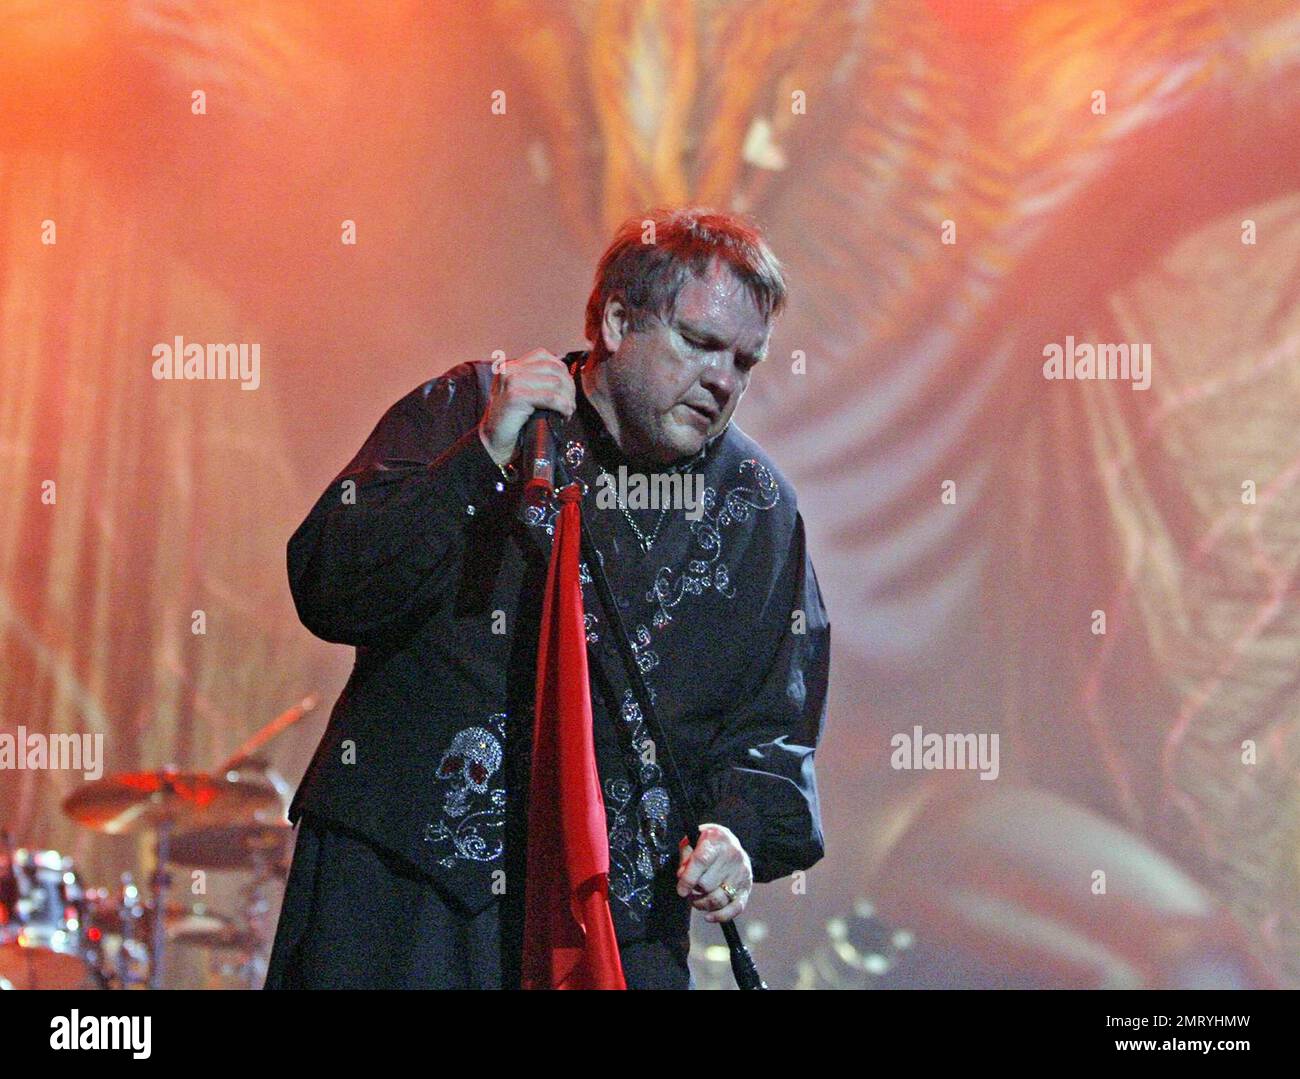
717 860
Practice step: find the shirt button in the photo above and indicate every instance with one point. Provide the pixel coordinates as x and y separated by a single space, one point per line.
500 486
469 510
623 604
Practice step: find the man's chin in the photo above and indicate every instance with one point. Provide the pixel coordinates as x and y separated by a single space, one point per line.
676 442
686 442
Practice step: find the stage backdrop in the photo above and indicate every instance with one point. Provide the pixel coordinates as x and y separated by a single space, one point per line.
371 193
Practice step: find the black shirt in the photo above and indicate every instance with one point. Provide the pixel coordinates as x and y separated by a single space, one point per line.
416 555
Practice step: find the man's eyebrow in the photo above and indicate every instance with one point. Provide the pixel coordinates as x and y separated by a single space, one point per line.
695 331
711 338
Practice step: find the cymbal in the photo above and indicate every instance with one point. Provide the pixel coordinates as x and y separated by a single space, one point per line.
138 801
209 930
232 846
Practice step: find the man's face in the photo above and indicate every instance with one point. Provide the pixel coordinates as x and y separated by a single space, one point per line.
676 383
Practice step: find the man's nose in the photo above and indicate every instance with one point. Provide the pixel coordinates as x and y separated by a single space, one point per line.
719 377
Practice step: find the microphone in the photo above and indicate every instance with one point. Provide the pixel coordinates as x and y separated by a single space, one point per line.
537 451
537 463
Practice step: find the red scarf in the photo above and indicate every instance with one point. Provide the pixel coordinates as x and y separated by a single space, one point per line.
569 940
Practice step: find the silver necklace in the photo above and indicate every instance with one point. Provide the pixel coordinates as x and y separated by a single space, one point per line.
646 542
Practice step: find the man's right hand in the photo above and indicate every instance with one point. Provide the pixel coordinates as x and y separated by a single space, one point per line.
538 379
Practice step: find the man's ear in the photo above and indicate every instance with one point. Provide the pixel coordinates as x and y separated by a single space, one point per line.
613 324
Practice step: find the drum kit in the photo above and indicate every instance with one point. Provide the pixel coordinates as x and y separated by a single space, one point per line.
57 934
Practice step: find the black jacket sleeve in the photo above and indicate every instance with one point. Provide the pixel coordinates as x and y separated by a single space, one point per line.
372 559
761 783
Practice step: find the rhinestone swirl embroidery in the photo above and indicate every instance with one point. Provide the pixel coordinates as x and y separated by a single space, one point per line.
646 659
638 810
701 574
543 516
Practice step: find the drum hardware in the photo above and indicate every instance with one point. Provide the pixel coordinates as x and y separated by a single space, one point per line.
41 942
160 801
54 934
119 933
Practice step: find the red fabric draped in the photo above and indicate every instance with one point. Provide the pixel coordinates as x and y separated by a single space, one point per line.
569 940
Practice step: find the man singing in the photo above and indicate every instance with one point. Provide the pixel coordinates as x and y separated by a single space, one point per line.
408 870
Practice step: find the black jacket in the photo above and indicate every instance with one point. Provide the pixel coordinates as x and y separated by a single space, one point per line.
416 556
